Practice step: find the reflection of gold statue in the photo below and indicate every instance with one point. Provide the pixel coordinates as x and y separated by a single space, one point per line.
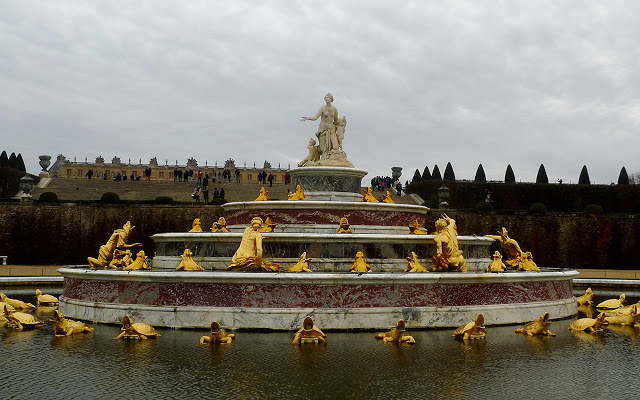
414 228
448 255
268 225
187 263
414 264
298 195
196 226
472 330
217 335
22 320
537 327
586 298
612 304
118 240
588 324
248 257
496 265
302 265
630 318
367 196
309 333
136 331
516 257
360 264
396 335
587 310
139 263
220 226
67 327
46 299
344 226
263 195
16 304
386 197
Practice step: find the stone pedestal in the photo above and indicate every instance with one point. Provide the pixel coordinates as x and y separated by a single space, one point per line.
329 183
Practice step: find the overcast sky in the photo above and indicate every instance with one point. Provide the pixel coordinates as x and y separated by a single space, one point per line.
420 83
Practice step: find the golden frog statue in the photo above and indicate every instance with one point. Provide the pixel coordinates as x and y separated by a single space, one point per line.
396 335
527 262
344 226
117 240
22 321
187 263
368 197
268 225
46 299
136 331
386 197
302 265
298 194
589 324
139 263
612 304
538 327
360 264
472 330
414 228
586 298
309 332
263 195
217 335
496 264
196 226
66 327
16 304
220 226
414 264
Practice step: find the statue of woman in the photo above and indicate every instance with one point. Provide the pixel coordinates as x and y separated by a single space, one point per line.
327 135
248 257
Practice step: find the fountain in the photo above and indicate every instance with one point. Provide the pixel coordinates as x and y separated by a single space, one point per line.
331 295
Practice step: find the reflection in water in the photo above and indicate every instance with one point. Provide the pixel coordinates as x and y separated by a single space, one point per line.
586 311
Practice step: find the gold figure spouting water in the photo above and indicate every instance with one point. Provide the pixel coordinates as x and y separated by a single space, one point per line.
414 264
367 196
268 226
496 264
220 225
248 257
612 304
396 335
217 335
344 226
117 240
472 330
302 265
66 327
298 194
187 263
263 195
16 304
589 324
309 333
586 298
630 317
137 330
386 197
516 258
360 264
414 228
196 226
22 321
537 327
448 255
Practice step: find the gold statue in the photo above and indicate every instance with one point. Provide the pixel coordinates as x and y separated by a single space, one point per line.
629 318
586 298
344 226
367 196
3 305
472 330
612 304
414 228
496 265
537 327
268 225
118 240
118 259
220 226
139 263
248 257
396 335
298 194
127 258
527 262
16 304
217 335
46 299
67 327
589 324
414 264
302 265
137 330
263 195
516 257
309 333
386 197
448 255
196 226
187 263
360 265
21 320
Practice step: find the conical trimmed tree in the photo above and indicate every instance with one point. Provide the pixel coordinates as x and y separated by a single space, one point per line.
509 176
20 163
584 177
448 173
435 176
623 178
4 159
416 177
426 175
480 176
12 160
542 175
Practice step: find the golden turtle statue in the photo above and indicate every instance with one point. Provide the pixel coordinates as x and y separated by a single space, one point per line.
586 298
217 335
360 264
612 304
309 333
137 330
396 335
16 304
414 264
589 324
537 327
22 320
67 327
472 330
627 318
302 265
46 299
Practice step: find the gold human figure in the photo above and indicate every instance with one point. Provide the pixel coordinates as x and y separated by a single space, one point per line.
516 258
248 257
268 225
117 240
448 255
196 226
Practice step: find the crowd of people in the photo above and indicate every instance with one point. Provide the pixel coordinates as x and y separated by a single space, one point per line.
386 183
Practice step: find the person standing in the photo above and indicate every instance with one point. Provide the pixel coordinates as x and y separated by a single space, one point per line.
196 194
205 194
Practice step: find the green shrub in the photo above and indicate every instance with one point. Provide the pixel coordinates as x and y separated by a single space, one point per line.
163 200
538 208
430 204
110 198
594 209
218 201
48 197
484 206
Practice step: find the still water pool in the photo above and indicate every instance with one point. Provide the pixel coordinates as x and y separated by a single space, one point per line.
37 365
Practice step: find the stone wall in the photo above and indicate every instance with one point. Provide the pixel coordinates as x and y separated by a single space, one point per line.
68 233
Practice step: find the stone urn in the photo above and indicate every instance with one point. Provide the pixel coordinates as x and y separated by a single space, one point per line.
45 161
396 172
26 184
443 196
